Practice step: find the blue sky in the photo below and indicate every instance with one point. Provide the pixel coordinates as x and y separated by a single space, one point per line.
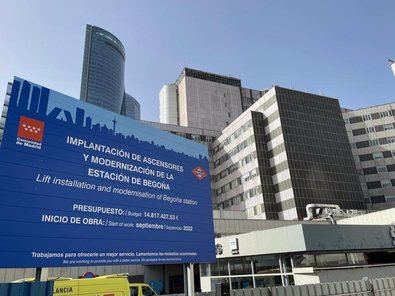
337 48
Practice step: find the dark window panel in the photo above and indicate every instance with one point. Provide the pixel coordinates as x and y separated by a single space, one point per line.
383 141
379 128
362 144
366 157
374 184
358 132
370 171
377 199
375 116
355 119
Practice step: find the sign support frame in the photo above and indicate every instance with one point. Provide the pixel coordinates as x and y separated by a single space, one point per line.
189 279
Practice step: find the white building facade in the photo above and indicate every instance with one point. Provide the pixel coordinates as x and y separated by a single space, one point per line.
204 100
287 150
371 132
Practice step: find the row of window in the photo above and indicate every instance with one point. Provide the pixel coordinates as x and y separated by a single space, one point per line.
326 260
200 138
265 264
233 136
375 155
234 151
211 77
378 169
237 182
373 129
380 184
382 199
241 197
368 117
235 166
254 211
373 142
245 265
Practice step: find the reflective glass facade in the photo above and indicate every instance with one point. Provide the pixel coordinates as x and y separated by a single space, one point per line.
130 107
249 272
103 72
278 269
320 160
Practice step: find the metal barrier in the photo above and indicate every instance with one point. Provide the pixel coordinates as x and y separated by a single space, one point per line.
27 289
376 287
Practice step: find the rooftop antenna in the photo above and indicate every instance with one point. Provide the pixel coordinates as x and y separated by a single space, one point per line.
114 121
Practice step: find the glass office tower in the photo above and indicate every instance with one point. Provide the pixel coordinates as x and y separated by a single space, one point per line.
130 107
103 72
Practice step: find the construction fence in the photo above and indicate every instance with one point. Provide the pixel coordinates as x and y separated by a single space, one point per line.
377 287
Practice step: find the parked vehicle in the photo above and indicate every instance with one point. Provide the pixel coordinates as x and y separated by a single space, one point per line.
108 285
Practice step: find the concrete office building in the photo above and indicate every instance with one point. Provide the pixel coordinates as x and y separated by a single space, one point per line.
130 107
289 149
204 100
200 135
371 132
103 73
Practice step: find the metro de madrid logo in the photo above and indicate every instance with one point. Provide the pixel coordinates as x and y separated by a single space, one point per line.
30 132
199 173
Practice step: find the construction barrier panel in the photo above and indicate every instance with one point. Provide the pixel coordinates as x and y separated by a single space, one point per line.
376 287
27 289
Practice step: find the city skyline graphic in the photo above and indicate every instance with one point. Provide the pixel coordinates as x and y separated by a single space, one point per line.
37 102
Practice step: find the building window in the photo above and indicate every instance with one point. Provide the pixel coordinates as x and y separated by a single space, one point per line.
384 114
258 210
388 126
347 121
356 258
378 155
240 266
266 264
366 117
250 212
374 142
219 268
385 183
331 260
391 139
369 171
373 185
304 260
370 129
382 169
353 146
390 198
377 199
